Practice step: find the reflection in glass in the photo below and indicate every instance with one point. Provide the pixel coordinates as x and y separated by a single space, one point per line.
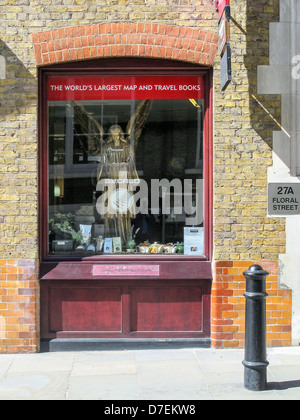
126 176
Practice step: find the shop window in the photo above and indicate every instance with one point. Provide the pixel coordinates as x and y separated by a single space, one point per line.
126 165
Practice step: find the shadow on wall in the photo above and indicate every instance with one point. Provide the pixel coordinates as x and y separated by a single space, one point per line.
265 110
18 152
18 87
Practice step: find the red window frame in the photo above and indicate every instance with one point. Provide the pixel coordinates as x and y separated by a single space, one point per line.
128 67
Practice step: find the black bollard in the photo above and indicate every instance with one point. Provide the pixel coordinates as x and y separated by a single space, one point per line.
255 362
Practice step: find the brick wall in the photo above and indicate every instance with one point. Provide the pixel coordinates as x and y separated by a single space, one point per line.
243 125
243 234
19 306
228 305
125 40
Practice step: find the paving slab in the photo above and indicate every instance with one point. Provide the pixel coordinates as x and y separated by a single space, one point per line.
104 387
5 363
187 374
35 386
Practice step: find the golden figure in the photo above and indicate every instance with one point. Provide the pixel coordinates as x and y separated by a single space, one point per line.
117 164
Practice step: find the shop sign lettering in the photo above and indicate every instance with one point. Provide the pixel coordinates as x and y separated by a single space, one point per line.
126 270
66 88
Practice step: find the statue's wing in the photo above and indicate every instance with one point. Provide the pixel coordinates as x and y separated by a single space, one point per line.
137 121
90 127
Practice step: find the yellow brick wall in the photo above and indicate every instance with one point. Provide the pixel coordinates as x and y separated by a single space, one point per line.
243 125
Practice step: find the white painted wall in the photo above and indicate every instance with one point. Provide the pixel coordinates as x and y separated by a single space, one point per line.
282 76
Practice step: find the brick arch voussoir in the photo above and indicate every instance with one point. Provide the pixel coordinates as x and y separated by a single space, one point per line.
108 40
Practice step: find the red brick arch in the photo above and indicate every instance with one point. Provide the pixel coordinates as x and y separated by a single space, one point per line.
125 40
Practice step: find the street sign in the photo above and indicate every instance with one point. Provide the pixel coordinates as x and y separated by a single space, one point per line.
223 7
224 33
283 199
225 68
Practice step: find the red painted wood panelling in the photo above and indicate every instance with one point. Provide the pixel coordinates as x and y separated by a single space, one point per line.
125 308
85 309
167 309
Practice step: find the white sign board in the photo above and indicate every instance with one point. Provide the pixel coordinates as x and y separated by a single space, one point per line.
283 199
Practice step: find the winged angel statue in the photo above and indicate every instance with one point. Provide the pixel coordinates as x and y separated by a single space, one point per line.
117 165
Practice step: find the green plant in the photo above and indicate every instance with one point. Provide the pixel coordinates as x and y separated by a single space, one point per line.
63 227
131 244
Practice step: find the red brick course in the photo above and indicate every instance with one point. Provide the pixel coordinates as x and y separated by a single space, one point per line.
125 40
228 305
19 306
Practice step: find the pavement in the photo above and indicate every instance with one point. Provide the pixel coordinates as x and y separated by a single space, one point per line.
154 376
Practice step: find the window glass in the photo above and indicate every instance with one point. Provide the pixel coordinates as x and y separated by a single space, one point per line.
126 165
